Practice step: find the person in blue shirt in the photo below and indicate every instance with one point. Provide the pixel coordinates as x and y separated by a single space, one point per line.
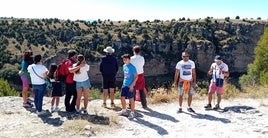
25 78
127 90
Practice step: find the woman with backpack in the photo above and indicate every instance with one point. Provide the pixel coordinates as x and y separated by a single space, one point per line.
56 91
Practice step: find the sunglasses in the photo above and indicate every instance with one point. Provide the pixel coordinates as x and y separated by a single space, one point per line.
185 56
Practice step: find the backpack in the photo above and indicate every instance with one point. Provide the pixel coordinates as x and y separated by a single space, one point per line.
62 71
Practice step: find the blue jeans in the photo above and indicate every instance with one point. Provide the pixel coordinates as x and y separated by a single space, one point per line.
39 91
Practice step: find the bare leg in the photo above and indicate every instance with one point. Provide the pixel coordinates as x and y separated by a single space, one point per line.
123 102
111 94
104 95
57 101
132 104
78 99
180 100
86 92
219 99
209 98
190 97
24 94
53 101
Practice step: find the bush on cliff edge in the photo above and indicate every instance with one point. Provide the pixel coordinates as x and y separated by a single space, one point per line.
6 90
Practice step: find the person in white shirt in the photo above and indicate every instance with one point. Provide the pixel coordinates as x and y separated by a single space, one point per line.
138 61
219 71
38 73
185 80
80 70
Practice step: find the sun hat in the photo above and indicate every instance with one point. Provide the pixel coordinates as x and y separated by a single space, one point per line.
108 49
217 58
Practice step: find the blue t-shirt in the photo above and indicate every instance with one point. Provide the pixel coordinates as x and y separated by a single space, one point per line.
24 66
129 74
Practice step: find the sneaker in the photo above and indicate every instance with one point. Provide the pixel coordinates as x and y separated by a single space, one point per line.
131 115
27 105
77 112
57 109
40 113
180 110
104 105
84 110
145 107
52 109
190 110
123 113
112 105
217 106
29 100
208 106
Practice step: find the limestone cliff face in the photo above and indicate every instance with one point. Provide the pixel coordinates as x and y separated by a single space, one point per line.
235 42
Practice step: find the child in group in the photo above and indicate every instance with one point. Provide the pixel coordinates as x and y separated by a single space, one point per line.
56 88
80 70
127 90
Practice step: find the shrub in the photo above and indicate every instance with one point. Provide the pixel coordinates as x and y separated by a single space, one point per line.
6 90
230 91
257 71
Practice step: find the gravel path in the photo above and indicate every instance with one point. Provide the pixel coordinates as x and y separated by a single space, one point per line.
238 118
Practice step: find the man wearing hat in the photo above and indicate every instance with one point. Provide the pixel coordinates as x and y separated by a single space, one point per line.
108 69
219 71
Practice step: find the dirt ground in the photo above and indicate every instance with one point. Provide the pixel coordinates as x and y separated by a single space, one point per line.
239 117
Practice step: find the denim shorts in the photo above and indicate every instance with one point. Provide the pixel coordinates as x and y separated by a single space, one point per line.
83 84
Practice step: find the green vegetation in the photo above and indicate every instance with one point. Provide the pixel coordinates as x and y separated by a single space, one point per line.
160 40
257 73
6 90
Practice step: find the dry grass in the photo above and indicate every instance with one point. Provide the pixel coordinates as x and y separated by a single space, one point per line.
75 125
161 95
255 92
230 91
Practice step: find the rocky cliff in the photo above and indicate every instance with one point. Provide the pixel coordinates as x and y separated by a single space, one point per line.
234 41
162 42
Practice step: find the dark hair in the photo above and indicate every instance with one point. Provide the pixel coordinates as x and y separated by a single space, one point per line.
52 70
80 59
125 56
28 57
37 58
71 53
137 49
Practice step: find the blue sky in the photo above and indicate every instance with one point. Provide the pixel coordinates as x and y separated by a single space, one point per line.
125 10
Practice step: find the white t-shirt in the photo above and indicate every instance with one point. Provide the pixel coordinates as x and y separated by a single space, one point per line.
83 75
39 70
185 69
138 61
216 70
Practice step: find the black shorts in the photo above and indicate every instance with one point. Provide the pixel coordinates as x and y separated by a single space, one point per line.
56 89
108 83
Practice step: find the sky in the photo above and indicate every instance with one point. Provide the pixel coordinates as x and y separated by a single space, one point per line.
142 10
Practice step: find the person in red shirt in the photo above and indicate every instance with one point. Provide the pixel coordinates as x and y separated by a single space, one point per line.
70 85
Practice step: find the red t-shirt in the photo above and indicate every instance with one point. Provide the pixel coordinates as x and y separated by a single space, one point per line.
69 78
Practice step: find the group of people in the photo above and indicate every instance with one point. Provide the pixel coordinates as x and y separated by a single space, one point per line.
185 80
77 84
133 83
